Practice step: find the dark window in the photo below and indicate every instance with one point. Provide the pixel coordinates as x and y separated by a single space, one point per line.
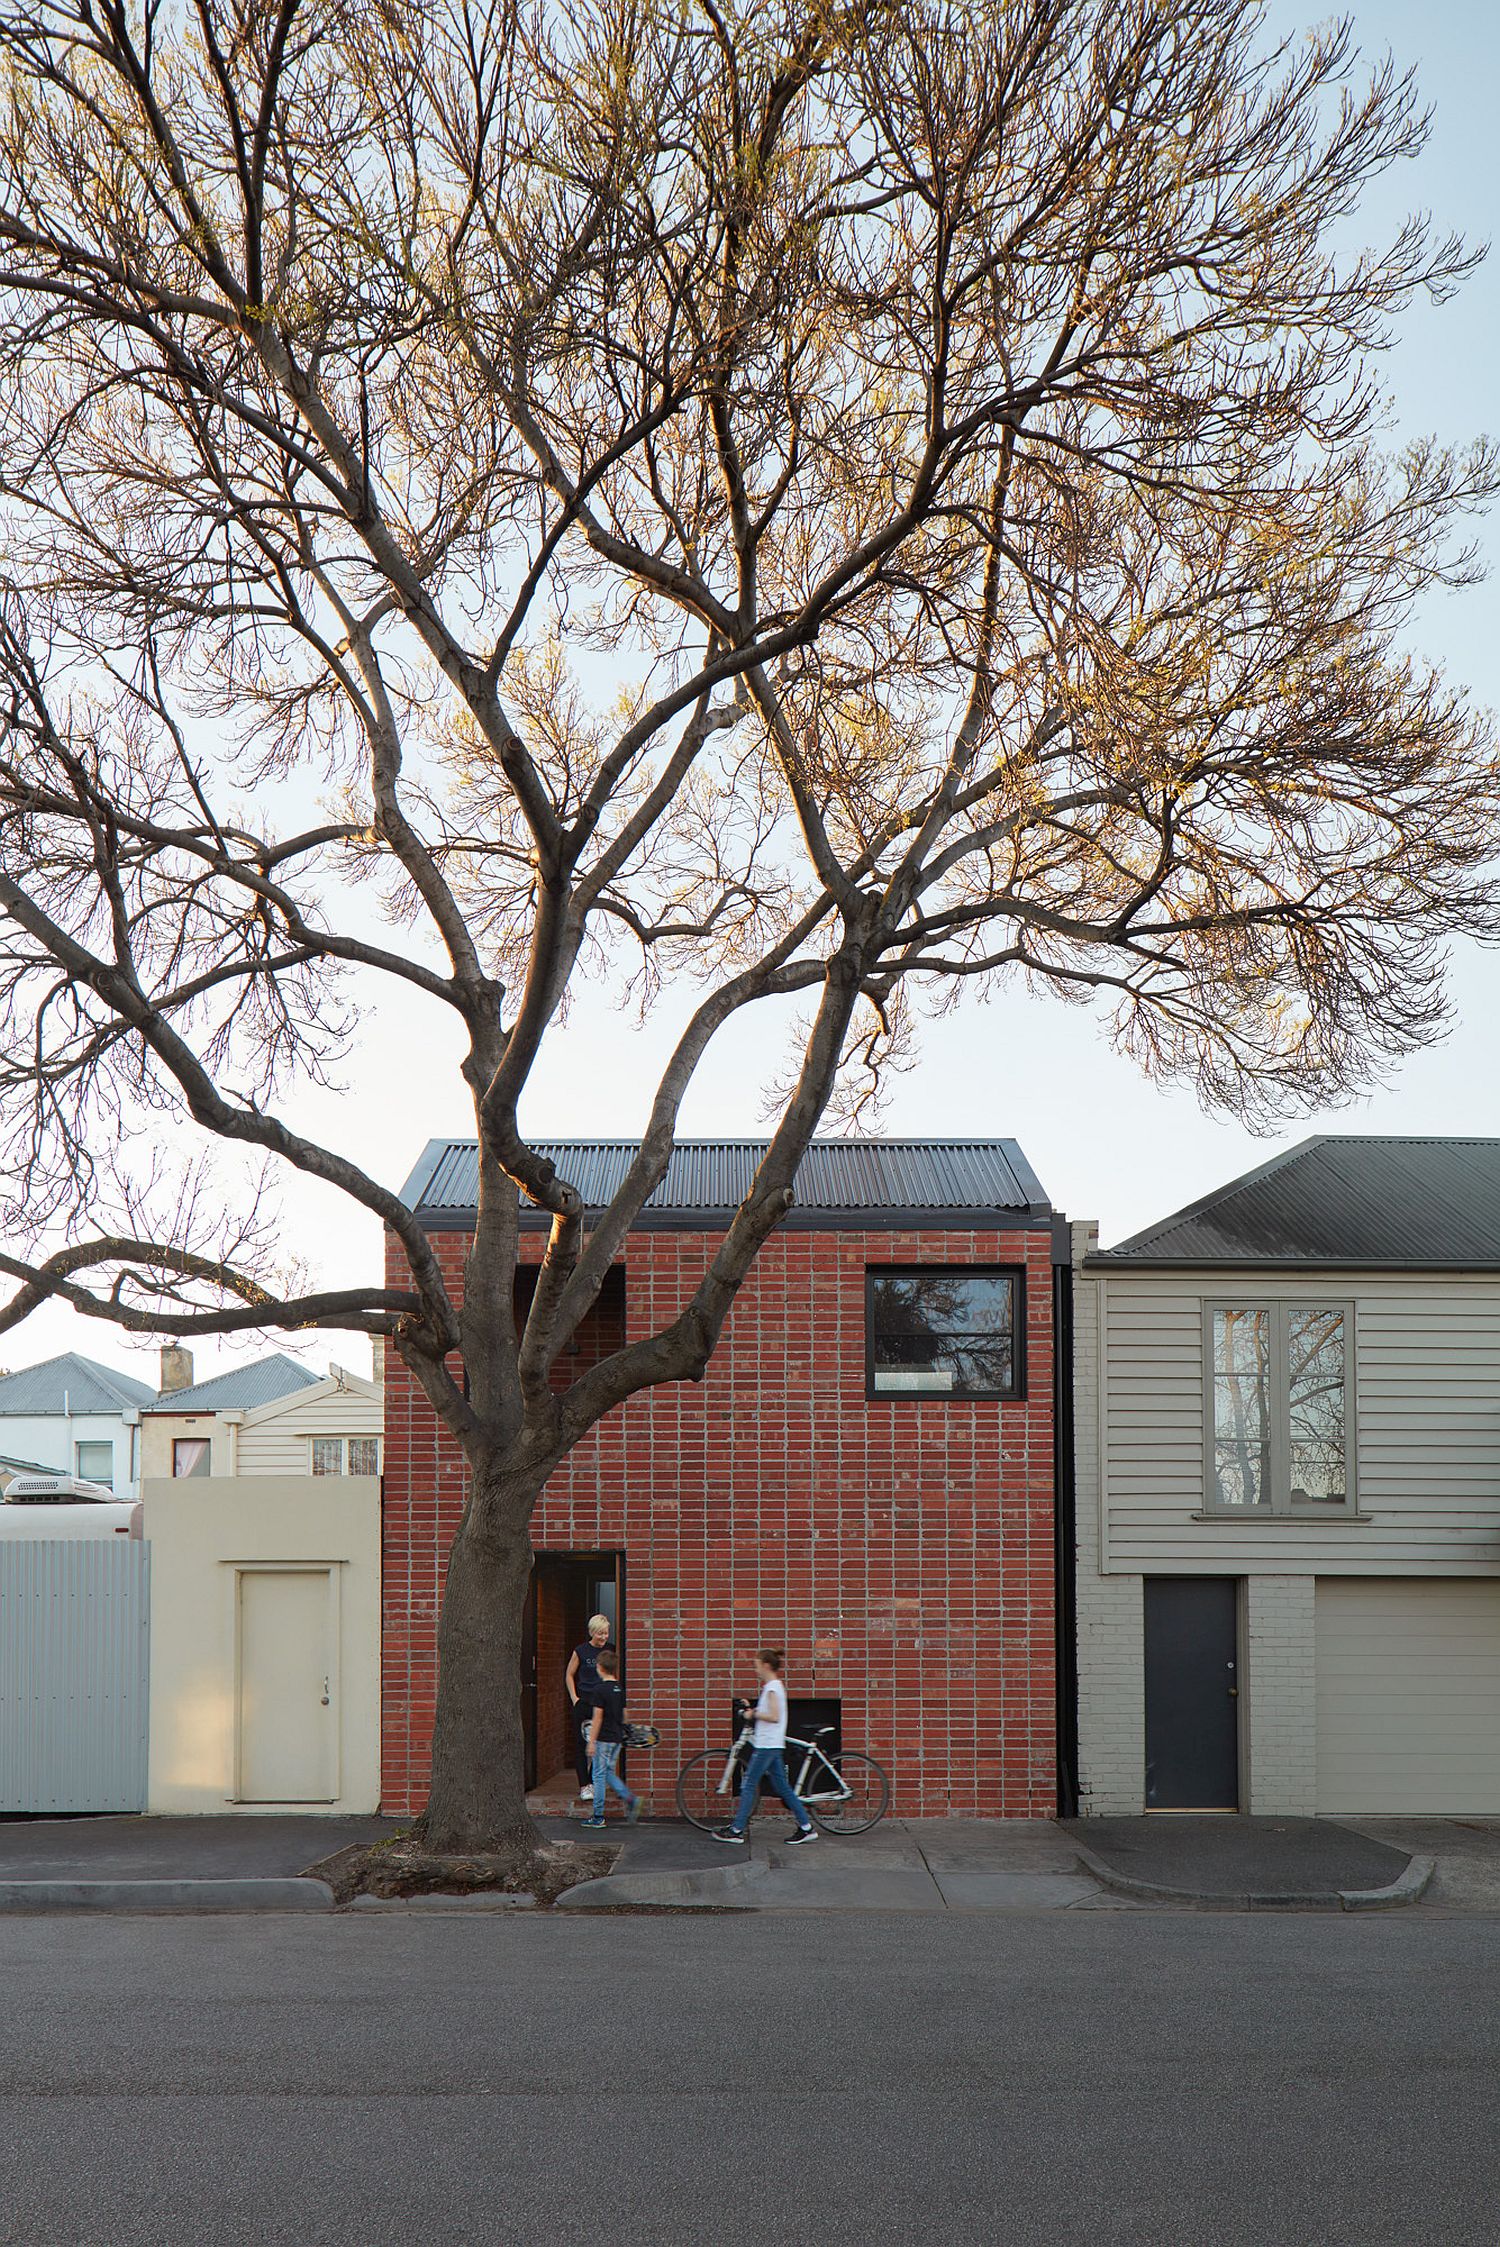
941 1330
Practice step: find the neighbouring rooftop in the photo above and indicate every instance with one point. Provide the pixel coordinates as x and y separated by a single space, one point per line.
868 1182
70 1384
241 1388
1342 1201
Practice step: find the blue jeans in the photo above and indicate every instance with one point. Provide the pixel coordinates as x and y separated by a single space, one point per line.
767 1763
606 1756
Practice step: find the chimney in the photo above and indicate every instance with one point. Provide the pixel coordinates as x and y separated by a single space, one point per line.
176 1368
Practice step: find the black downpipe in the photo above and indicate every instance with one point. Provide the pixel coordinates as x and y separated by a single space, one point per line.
1065 1520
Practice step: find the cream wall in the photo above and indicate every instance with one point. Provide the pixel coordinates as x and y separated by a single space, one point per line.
201 1532
159 1429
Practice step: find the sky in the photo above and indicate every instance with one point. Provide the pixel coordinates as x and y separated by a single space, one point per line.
1106 1143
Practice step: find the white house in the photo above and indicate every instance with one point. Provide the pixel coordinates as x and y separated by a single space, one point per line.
1287 1455
270 1417
76 1417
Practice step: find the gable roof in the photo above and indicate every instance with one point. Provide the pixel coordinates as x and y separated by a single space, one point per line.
241 1388
70 1383
856 1181
1342 1201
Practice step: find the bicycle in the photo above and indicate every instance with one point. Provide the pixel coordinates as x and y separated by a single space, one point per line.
848 1794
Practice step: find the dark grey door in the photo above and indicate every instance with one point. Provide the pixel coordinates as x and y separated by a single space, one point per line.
1192 1729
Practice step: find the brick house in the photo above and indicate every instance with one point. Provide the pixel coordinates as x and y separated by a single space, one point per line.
865 1475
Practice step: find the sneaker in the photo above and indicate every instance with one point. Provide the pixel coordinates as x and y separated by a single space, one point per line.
585 1794
727 1833
807 1833
593 1825
633 1811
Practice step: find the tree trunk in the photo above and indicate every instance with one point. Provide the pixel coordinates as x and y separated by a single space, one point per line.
478 1795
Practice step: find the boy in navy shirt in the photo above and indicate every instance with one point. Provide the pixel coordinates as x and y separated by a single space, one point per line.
606 1737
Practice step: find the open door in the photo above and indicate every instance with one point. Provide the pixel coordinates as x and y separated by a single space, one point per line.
566 1589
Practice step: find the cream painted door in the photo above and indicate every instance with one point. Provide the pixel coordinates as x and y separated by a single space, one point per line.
288 1687
1408 1696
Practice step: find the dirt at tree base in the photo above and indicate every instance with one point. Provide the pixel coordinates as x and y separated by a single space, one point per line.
402 1866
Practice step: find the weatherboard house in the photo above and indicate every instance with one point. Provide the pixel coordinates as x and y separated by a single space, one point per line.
865 1475
1287 1412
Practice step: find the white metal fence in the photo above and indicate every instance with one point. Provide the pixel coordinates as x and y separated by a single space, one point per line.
74 1646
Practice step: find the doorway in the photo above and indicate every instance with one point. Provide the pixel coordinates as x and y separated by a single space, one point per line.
1192 1693
566 1589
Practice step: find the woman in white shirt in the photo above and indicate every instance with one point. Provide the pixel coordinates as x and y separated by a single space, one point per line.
768 1755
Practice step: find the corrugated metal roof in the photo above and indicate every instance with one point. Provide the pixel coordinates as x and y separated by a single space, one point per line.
70 1383
241 1388
1343 1200
892 1178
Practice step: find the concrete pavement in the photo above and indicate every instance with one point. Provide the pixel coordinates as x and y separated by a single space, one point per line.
226 1848
1067 2079
923 1866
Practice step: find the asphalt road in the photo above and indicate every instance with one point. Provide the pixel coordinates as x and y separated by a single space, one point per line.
1162 2078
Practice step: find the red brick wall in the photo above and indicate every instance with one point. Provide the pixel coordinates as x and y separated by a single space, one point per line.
899 1549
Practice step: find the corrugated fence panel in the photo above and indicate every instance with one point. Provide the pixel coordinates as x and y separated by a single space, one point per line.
74 1644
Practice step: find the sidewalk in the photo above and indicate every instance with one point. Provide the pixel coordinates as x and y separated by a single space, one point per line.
239 1863
912 1865
915 1865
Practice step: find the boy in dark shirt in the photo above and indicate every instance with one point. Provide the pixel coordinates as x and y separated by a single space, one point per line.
606 1737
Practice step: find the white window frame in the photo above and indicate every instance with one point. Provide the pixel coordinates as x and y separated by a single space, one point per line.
1281 1508
349 1443
312 1453
94 1443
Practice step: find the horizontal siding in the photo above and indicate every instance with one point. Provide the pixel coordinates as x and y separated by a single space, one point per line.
281 1446
1427 1382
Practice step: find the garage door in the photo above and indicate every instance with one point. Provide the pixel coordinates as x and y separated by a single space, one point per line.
1408 1696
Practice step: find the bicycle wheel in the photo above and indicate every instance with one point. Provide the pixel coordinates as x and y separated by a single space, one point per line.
866 1802
699 1797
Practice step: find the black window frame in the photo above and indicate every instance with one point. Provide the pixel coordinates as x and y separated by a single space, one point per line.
1015 1273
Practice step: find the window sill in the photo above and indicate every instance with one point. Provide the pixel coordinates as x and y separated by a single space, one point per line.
1333 1514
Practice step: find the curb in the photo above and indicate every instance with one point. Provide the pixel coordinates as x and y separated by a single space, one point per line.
712 1885
165 1896
1406 1888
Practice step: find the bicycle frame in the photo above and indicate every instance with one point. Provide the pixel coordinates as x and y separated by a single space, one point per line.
730 1779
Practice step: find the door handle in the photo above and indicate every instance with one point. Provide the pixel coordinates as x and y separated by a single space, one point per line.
325 1692
1234 1693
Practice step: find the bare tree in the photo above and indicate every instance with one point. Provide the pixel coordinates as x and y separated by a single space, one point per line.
799 502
